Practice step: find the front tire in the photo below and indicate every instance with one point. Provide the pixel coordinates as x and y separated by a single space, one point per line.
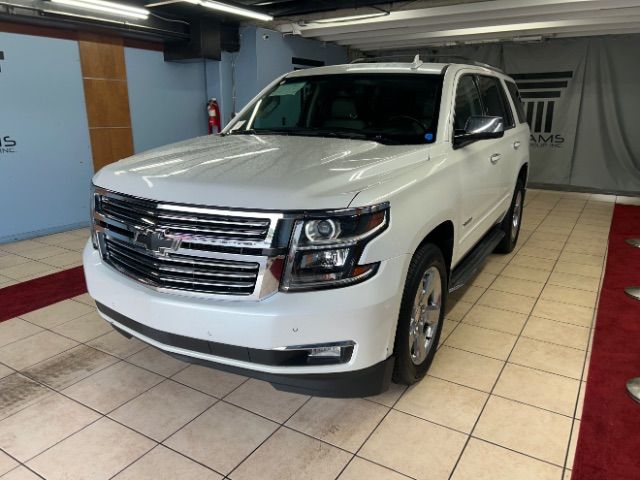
421 315
512 221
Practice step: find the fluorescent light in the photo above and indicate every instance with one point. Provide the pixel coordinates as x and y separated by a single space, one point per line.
529 38
350 18
107 7
223 7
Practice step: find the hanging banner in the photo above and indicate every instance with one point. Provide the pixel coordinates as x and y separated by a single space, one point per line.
551 88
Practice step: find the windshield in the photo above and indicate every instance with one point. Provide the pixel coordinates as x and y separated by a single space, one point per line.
388 108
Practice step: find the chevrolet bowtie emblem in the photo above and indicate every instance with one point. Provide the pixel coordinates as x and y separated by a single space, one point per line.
157 241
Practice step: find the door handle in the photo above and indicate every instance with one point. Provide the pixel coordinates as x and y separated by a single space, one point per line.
516 144
495 158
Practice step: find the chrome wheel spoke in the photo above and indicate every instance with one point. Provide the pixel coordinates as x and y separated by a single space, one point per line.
517 215
425 315
427 286
421 348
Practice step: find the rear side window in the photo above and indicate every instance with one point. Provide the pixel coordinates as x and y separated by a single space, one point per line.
494 99
517 101
467 102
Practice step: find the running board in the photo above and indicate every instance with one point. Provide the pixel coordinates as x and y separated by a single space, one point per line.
472 262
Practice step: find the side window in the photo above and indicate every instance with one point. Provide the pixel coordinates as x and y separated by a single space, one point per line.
467 102
494 99
517 101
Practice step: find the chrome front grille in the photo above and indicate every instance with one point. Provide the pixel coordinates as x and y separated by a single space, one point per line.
200 223
187 249
183 272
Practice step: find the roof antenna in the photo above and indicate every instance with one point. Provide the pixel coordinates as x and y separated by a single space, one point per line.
416 62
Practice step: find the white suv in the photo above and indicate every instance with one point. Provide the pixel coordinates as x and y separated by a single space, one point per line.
313 243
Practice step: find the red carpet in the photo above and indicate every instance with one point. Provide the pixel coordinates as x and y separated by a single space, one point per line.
609 440
40 292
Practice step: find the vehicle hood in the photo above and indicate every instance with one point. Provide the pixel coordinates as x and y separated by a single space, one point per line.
268 172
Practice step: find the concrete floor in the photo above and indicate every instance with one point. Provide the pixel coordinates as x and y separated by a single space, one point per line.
502 400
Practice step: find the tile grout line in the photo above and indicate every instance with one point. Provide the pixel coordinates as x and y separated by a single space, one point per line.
591 328
373 431
586 350
470 434
106 416
586 358
280 425
438 347
509 356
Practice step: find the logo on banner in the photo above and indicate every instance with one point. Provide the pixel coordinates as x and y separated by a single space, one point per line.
541 93
7 144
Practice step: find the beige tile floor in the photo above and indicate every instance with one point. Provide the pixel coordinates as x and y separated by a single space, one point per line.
29 259
502 400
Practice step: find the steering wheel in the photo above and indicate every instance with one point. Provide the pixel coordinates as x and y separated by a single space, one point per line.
413 120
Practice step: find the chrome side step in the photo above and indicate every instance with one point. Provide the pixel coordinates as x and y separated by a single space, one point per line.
472 262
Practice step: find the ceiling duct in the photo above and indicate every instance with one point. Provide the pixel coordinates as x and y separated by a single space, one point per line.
207 40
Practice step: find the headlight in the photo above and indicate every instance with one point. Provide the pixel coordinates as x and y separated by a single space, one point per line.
325 248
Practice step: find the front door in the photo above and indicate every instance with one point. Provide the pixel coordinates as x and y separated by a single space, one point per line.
477 175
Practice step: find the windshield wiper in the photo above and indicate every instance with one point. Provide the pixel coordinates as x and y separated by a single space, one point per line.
351 134
316 132
303 132
261 131
337 134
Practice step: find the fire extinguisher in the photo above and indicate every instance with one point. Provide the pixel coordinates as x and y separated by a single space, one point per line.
213 110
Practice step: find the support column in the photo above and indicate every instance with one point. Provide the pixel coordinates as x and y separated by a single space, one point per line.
106 97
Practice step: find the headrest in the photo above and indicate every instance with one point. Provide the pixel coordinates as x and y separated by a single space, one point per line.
344 108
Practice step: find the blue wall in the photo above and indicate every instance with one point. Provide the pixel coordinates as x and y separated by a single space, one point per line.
266 54
246 68
274 52
220 83
167 100
44 183
45 177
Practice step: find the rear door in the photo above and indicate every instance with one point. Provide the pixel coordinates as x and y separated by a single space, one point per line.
521 133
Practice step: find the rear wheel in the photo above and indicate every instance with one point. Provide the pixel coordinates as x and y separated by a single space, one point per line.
512 221
421 315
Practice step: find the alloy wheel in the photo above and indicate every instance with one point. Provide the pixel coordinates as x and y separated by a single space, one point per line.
425 315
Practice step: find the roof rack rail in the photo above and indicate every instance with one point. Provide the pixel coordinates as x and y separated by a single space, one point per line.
419 59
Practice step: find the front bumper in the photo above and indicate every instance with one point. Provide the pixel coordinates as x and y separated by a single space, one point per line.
365 314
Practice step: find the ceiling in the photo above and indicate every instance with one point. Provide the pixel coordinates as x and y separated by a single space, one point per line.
284 8
411 25
279 9
401 26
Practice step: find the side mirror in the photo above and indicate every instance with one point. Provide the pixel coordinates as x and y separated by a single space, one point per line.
479 127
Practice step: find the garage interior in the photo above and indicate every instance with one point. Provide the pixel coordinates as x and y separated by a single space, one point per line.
529 380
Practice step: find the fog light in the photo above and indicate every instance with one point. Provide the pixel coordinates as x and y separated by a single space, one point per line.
322 353
330 353
326 352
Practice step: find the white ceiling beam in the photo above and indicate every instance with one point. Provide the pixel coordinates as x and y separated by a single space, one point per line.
487 9
594 33
502 30
576 34
480 21
569 31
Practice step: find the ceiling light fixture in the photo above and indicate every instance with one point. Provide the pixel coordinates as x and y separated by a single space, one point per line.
107 7
350 18
225 8
528 38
